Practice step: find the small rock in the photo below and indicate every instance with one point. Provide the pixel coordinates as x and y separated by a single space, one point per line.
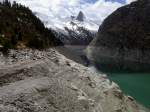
130 98
67 63
92 84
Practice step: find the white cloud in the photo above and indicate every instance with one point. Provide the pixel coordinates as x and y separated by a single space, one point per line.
55 13
129 1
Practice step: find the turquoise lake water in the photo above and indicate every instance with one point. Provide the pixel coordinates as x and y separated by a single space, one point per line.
136 85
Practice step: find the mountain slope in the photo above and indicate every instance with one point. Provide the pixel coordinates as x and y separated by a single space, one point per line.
76 31
123 41
19 27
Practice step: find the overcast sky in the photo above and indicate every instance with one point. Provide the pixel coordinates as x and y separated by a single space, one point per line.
57 12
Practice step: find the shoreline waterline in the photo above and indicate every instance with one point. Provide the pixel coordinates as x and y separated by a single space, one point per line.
134 84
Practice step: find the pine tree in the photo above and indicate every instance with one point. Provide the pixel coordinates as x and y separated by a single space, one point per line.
7 3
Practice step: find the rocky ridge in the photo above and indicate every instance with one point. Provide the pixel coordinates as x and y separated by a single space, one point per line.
46 81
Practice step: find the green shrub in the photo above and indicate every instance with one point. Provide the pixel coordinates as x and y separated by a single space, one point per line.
7 45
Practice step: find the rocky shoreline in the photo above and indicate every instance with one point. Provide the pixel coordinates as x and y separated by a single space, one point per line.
47 81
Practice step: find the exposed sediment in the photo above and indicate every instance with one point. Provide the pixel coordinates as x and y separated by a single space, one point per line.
53 83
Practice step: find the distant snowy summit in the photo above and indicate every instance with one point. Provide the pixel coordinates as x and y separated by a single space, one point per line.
77 30
54 21
58 15
82 21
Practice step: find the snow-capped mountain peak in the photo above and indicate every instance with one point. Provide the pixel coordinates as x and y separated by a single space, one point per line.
81 21
77 30
56 13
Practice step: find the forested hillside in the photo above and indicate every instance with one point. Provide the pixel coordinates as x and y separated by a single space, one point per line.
20 28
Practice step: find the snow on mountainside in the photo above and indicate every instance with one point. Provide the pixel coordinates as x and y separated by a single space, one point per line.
55 14
57 22
76 31
82 21
62 16
71 30
60 23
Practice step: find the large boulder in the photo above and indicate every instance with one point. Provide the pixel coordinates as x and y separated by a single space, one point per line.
123 40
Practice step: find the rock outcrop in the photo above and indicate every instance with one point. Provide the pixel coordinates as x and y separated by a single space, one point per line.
80 16
49 82
123 40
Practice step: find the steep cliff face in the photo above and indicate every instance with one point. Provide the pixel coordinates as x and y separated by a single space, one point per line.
80 16
46 81
123 40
